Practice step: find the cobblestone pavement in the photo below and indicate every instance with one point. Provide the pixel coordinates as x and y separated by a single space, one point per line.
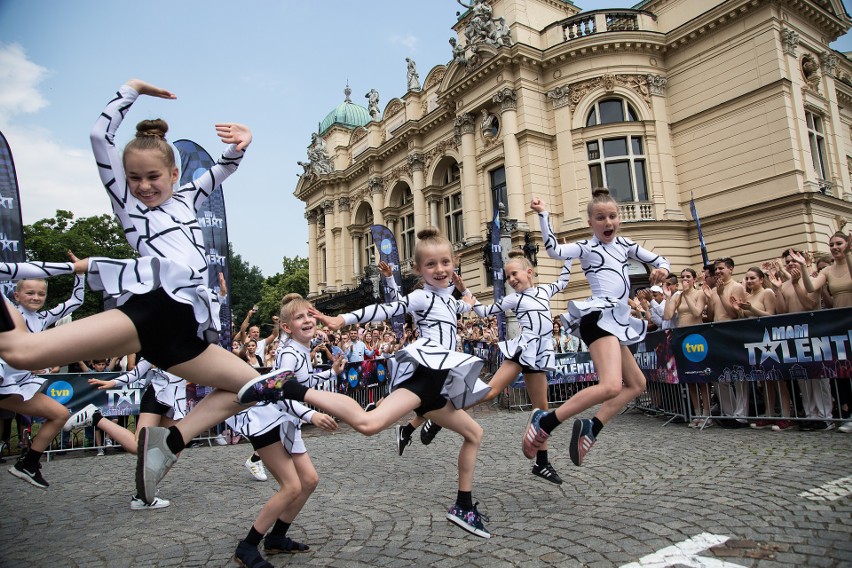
644 488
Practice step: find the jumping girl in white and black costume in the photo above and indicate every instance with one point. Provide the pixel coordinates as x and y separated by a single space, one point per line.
275 433
19 389
163 404
603 322
429 376
166 312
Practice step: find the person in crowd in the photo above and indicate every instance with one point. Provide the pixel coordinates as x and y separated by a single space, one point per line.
761 301
603 322
269 355
20 389
707 285
357 348
274 431
683 309
250 355
247 332
837 279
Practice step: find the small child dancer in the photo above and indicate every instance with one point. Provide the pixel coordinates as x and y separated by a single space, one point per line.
163 404
275 433
18 388
429 376
603 322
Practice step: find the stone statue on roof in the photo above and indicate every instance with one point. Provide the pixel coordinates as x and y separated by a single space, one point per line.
413 77
319 162
373 104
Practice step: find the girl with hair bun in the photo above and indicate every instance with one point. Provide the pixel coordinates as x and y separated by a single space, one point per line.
603 322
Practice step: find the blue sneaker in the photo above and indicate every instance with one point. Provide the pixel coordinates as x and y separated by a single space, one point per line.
534 436
582 440
471 520
271 387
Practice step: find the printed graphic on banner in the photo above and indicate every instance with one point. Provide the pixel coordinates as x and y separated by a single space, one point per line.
807 345
11 225
570 368
195 161
74 392
499 276
389 253
655 357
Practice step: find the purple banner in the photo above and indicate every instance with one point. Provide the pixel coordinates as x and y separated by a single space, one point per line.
385 241
195 161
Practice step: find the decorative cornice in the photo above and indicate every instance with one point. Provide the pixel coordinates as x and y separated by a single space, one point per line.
435 78
507 97
311 216
608 82
560 96
375 184
393 108
393 176
328 207
828 61
464 124
359 134
656 84
789 41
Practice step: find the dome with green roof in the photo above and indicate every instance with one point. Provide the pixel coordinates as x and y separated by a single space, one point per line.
347 114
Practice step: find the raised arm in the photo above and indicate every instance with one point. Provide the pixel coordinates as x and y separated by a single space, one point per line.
26 270
238 137
554 249
810 284
561 282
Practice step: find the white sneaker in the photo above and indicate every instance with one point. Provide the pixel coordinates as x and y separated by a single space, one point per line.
256 469
108 442
220 440
845 427
80 419
137 504
101 453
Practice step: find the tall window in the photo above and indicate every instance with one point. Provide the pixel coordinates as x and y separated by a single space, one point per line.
619 164
408 236
498 188
454 217
451 174
607 111
816 138
324 266
369 249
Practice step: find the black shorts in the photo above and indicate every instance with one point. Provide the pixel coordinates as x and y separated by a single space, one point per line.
150 404
589 330
167 329
524 369
265 439
427 384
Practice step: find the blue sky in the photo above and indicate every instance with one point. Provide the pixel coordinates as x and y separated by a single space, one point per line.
278 66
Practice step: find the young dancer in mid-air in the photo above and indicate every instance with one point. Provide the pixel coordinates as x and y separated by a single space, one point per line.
603 322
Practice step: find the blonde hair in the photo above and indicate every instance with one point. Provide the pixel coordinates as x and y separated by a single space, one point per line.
518 257
151 135
430 236
290 304
20 283
600 195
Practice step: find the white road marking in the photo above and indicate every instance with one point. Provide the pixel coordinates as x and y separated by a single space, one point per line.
686 554
831 491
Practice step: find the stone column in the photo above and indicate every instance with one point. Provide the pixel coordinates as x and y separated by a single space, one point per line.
464 126
434 201
356 262
376 185
313 258
573 200
667 193
417 162
508 99
331 263
837 166
343 244
390 223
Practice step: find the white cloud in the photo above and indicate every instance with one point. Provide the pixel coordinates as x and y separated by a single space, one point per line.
19 80
408 41
50 176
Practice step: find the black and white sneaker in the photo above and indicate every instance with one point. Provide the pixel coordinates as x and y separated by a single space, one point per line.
402 441
428 432
33 477
547 472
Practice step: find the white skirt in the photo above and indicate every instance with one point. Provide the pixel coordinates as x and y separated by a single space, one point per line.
462 386
172 394
261 418
15 381
535 352
615 318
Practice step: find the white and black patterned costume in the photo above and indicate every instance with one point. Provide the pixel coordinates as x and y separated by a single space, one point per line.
606 269
169 389
24 383
168 236
288 415
532 308
435 313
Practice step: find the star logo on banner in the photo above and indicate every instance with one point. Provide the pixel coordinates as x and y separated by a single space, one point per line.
768 349
125 396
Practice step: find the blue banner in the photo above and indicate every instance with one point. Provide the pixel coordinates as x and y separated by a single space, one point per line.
497 272
195 161
385 241
74 392
11 224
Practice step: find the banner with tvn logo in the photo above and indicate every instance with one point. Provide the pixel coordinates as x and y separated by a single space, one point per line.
807 345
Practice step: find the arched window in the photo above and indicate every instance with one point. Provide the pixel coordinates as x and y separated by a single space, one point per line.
607 111
451 174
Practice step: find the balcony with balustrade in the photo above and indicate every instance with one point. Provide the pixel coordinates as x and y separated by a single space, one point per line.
599 22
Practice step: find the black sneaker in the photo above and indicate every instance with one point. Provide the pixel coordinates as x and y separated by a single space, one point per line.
274 544
428 432
821 425
33 477
249 556
402 441
547 472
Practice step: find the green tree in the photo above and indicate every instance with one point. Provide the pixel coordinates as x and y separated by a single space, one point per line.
293 278
48 240
246 284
